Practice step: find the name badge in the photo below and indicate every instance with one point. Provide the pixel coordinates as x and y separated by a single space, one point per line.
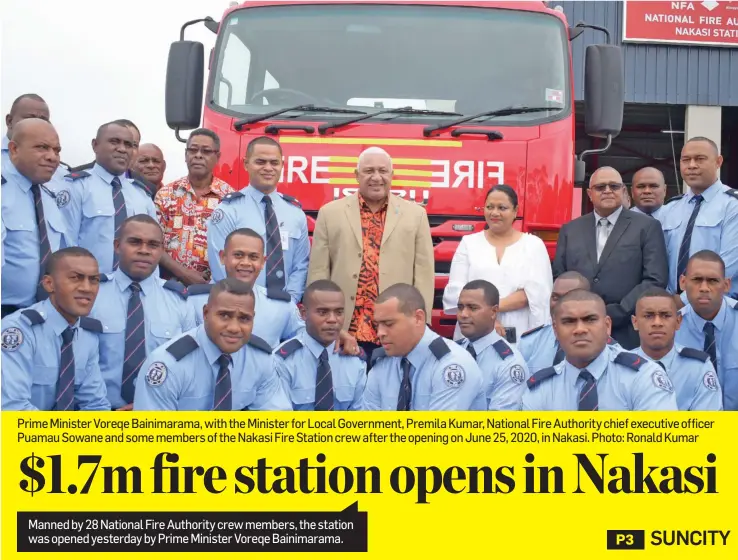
284 234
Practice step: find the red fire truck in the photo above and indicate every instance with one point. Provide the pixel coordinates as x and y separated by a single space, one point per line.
463 95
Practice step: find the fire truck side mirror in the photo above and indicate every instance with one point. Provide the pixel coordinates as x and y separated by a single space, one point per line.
184 85
604 85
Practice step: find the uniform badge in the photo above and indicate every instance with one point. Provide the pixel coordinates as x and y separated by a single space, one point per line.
517 374
62 198
217 216
157 374
454 375
662 381
710 379
12 338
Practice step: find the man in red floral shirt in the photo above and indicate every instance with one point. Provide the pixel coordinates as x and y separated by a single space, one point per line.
184 207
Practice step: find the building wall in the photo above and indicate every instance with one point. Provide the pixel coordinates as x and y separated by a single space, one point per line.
673 74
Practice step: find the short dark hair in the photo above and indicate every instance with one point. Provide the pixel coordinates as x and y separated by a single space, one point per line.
578 295
127 124
205 132
57 256
231 286
139 219
261 140
655 291
704 139
506 189
320 286
708 256
491 293
103 127
246 232
409 297
574 275
33 96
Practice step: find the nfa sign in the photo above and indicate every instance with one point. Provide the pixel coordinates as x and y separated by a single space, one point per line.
709 23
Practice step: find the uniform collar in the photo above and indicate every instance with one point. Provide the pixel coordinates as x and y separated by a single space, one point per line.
21 180
315 347
710 192
612 218
53 318
257 195
123 281
718 321
6 141
212 352
105 175
667 360
481 344
596 368
417 355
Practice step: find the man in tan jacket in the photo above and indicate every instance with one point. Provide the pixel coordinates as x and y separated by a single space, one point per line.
369 241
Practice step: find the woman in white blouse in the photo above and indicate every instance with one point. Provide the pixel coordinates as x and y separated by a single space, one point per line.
516 263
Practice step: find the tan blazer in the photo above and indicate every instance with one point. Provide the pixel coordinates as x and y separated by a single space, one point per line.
406 253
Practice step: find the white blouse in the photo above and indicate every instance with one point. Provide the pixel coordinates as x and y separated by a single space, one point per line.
525 265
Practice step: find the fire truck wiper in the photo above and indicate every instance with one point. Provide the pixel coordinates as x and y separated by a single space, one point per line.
323 128
304 108
428 130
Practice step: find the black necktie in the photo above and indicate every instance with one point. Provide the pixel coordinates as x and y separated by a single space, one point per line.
588 394
324 384
222 397
471 350
43 240
406 390
559 354
275 259
710 346
119 204
65 384
135 346
687 241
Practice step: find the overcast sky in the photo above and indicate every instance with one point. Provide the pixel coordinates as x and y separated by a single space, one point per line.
98 60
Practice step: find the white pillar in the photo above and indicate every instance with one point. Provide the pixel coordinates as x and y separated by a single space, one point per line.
703 120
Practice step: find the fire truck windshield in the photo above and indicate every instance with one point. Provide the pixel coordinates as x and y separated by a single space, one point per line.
449 58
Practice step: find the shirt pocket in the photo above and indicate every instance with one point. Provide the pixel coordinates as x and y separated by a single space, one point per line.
303 398
344 396
43 383
18 221
93 207
162 333
57 228
195 402
243 398
709 228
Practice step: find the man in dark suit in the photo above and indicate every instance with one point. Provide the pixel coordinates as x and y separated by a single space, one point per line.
622 253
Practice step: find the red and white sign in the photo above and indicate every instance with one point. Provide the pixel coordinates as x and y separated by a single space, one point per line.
697 23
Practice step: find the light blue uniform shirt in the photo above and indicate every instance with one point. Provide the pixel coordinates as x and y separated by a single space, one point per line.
297 366
245 209
181 375
658 214
443 376
274 320
32 354
695 381
59 174
166 315
504 371
716 229
642 385
91 214
21 244
691 334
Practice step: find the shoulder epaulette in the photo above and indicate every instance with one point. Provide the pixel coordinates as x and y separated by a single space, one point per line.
33 316
199 289
82 167
735 305
503 349
279 295
439 348
77 175
674 199
90 324
694 354
460 342
177 287
291 199
732 192
289 348
531 331
260 344
378 354
183 346
230 197
4 180
539 376
140 184
629 360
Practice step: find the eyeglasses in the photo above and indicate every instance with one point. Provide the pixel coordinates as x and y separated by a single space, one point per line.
204 151
602 187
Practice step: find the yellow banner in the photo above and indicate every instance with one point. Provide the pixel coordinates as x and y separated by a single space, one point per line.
419 485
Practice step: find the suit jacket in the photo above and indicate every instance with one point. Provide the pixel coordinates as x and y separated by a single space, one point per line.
405 255
634 259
